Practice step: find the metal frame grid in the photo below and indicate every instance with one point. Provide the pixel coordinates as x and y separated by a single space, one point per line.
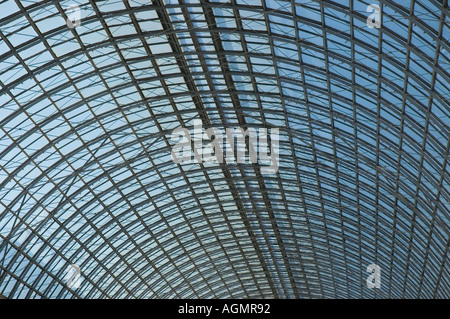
86 177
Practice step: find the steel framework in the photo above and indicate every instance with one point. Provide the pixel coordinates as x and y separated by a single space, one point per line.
86 175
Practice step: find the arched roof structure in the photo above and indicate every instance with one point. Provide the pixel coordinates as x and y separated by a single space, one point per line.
87 177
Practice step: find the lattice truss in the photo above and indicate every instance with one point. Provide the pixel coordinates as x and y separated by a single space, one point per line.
87 178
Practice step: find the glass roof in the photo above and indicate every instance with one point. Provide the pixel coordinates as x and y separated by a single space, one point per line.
87 178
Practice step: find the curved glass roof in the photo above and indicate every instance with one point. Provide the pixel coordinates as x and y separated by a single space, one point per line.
87 178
